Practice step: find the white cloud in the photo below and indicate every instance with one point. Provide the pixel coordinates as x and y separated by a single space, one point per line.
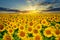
36 4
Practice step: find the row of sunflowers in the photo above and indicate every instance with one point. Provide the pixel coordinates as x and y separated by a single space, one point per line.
29 27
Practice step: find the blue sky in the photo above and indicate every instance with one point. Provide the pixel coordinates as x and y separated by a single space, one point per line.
15 4
26 4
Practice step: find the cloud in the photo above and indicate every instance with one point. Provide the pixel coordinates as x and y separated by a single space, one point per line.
36 4
43 4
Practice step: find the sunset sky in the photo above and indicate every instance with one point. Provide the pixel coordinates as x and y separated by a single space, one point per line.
29 4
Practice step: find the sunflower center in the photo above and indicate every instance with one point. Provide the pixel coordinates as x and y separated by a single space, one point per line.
1 27
10 30
37 38
21 27
14 26
7 38
48 32
59 38
51 18
22 34
57 32
35 31
8 23
30 29
22 21
44 22
38 27
31 23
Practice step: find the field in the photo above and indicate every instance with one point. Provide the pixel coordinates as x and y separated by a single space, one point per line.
33 26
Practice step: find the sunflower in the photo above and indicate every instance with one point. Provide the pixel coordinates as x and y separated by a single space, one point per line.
39 20
10 31
56 32
50 18
21 34
7 37
7 27
8 22
35 21
44 22
6 19
1 27
35 31
57 19
57 25
48 32
25 38
13 25
31 23
38 37
21 27
57 38
30 38
29 29
38 27
23 21
27 21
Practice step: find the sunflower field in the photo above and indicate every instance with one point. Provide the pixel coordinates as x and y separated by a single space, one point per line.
29 26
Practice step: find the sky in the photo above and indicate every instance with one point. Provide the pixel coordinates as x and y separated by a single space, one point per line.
30 4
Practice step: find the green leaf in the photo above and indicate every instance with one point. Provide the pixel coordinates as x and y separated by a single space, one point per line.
5 24
59 27
2 33
30 35
41 31
16 31
58 22
1 36
46 38
17 38
53 23
43 26
14 35
48 20
1 39
5 31
52 38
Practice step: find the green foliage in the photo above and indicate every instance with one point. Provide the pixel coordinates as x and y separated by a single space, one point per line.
41 31
16 31
52 38
43 26
30 35
4 24
1 39
15 35
58 22
48 38
2 34
53 23
48 20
